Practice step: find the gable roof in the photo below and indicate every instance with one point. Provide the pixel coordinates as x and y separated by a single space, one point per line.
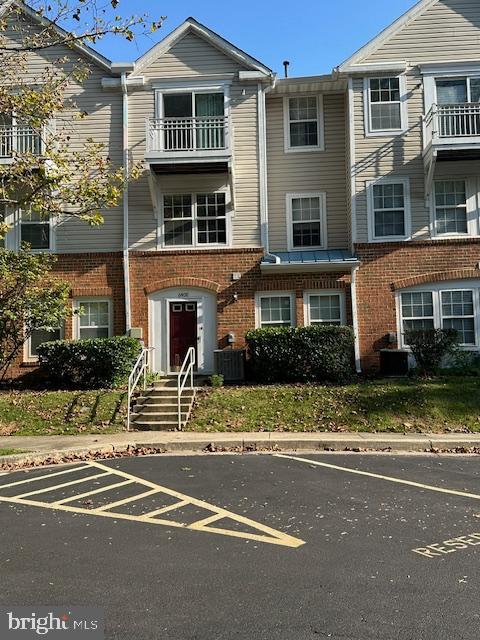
374 44
83 49
193 26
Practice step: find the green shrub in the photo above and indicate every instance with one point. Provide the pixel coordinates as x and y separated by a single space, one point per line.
216 380
301 354
430 347
89 364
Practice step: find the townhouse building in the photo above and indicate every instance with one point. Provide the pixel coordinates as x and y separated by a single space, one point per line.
347 198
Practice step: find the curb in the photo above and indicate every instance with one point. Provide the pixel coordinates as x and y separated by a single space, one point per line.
402 444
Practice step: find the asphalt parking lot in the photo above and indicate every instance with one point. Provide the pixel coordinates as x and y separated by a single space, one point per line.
350 547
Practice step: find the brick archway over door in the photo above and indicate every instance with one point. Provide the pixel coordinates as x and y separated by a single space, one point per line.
437 276
178 281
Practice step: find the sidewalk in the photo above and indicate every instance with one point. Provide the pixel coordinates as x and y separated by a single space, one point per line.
40 448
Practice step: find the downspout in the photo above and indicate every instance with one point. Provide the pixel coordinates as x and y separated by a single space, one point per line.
126 177
262 162
358 365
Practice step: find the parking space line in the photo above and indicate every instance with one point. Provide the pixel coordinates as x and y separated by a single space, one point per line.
60 486
117 485
378 476
119 503
266 534
49 475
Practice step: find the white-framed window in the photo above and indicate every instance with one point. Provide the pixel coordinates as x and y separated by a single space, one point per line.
385 106
36 231
303 123
38 337
324 307
457 90
94 318
445 305
275 309
192 220
388 203
306 221
450 208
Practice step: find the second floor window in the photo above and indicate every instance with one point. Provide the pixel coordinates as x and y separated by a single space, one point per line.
35 231
389 209
303 123
451 207
194 219
385 106
306 219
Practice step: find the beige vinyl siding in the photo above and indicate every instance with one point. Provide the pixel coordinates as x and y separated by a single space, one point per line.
190 56
398 156
102 123
318 171
244 135
449 30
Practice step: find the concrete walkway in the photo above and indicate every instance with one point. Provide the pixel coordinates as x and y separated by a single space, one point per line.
43 447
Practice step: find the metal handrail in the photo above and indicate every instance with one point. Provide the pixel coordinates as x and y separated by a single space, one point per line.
201 133
187 372
140 368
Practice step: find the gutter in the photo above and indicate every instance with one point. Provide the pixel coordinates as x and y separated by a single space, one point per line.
126 177
358 365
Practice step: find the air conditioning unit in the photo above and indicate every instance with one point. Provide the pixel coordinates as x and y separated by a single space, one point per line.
230 363
394 362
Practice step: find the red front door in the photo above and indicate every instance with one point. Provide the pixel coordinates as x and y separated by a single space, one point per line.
183 331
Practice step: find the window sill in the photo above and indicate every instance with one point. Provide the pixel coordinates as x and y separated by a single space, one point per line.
385 134
389 239
30 364
304 149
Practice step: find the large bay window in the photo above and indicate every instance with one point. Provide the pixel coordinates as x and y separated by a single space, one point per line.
385 106
388 209
449 305
194 220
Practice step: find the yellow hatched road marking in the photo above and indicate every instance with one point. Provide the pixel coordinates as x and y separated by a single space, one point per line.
49 475
409 483
119 503
266 535
60 486
95 491
171 507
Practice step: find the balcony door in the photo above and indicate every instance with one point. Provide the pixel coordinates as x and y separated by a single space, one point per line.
458 100
193 121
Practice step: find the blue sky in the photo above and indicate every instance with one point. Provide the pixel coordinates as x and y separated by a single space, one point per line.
315 35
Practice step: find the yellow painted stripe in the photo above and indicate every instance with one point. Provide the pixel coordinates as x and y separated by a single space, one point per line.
49 475
409 483
119 503
60 486
171 507
123 483
203 523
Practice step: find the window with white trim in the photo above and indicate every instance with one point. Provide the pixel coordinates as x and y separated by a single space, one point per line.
195 219
94 319
385 105
303 123
275 309
389 209
451 207
326 308
40 336
35 231
446 305
306 220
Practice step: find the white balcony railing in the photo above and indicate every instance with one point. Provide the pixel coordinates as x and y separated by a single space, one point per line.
19 139
452 122
175 135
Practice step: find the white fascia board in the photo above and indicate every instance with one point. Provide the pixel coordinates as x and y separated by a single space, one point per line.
450 67
253 75
379 67
312 267
387 33
115 83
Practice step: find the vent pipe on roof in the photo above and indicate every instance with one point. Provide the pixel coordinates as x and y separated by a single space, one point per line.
286 64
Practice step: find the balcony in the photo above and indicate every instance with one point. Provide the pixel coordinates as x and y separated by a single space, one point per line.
18 139
183 144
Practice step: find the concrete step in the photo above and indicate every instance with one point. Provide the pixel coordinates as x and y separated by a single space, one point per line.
148 407
167 394
160 415
156 425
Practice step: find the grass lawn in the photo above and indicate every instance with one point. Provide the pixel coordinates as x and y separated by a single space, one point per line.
10 452
30 413
445 404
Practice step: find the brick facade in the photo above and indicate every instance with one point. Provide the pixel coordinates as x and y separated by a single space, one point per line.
391 266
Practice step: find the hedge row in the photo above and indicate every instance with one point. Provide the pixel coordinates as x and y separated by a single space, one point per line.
98 363
301 354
